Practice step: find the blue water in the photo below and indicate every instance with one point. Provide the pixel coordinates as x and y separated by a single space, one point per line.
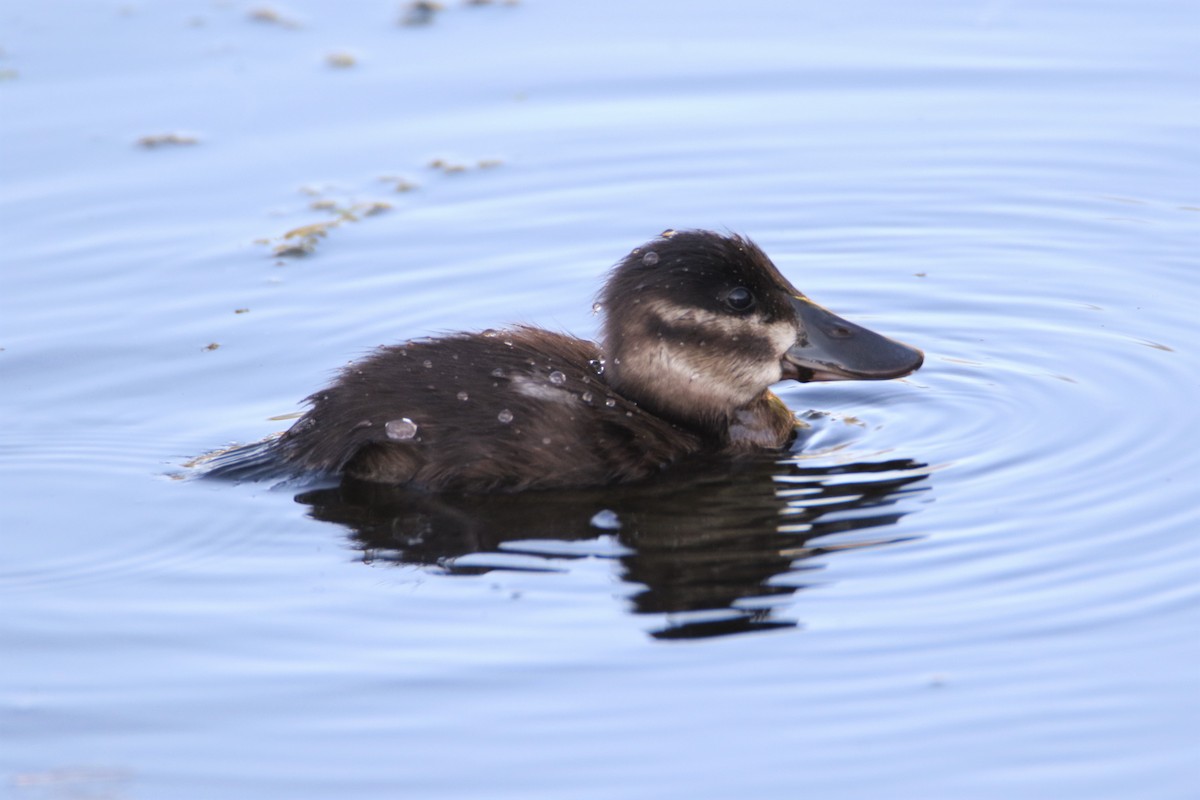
976 582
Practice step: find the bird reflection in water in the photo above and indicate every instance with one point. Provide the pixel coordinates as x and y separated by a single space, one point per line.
717 548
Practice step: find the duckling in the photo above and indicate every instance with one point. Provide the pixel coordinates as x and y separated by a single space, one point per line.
697 327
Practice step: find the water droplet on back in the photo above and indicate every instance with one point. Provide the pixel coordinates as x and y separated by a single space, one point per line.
498 373
667 234
403 429
650 259
606 520
427 364
557 378
597 365
597 308
463 396
611 403
505 416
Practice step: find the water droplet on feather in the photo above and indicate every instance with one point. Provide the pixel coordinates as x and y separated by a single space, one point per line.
403 429
606 520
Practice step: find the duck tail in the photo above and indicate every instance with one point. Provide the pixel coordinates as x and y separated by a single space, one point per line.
250 462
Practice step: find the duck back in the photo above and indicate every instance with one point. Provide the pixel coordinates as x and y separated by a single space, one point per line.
512 409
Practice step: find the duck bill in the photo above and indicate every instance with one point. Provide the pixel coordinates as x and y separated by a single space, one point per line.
830 348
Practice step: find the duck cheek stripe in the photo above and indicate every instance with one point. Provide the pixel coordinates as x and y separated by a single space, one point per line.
702 320
745 346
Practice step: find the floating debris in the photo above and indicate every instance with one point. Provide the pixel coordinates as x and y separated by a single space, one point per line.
452 167
399 184
303 240
373 208
155 140
271 16
211 346
341 60
9 74
420 12
447 167
241 311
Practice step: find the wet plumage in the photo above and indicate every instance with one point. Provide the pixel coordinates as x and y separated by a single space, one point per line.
697 327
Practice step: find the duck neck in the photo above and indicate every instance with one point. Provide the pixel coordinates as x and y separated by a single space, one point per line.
689 400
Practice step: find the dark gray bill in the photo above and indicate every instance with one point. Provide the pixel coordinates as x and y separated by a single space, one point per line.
830 348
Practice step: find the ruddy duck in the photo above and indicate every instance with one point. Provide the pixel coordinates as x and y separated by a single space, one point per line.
697 327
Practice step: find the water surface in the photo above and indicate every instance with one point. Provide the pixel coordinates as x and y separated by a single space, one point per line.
976 582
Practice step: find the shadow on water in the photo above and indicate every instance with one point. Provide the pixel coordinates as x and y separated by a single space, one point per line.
709 543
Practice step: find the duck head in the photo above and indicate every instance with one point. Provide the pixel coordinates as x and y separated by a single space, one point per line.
698 325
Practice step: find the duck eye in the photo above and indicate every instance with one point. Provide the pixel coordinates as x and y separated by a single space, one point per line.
740 299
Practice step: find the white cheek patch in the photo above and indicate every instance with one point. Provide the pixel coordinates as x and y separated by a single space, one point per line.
687 373
703 318
693 377
782 335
